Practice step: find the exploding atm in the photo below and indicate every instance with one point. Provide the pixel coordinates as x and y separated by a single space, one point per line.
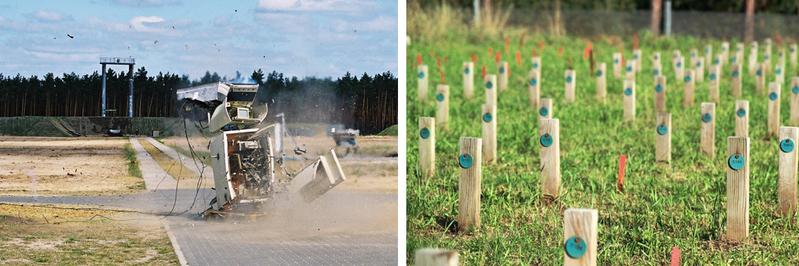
242 149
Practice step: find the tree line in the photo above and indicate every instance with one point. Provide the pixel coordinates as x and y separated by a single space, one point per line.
368 103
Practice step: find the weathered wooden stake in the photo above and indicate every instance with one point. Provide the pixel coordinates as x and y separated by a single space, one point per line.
742 118
679 68
427 146
637 57
708 54
549 141
629 70
725 52
422 79
699 72
735 80
442 106
581 237
788 162
617 65
468 79
546 110
779 74
760 79
436 257
792 55
571 80
663 138
795 101
536 65
490 85
660 94
753 64
737 188
688 94
601 83
534 88
469 160
489 118
503 71
657 68
773 109
629 100
713 86
707 142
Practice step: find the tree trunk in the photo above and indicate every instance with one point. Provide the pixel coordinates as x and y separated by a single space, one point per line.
750 21
656 8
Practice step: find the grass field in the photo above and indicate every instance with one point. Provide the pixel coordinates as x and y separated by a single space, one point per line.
664 205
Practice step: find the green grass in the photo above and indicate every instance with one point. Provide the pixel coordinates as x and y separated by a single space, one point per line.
133 163
389 131
664 205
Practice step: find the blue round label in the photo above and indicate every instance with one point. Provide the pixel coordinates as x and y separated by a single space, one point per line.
489 85
736 162
716 61
440 97
466 70
662 129
786 145
599 73
735 74
487 117
575 247
712 76
772 96
543 111
655 72
778 71
679 64
698 64
616 61
628 91
733 59
659 88
759 72
465 161
635 56
545 140
706 118
687 78
795 89
741 112
535 65
421 75
501 70
568 79
424 133
533 82
629 68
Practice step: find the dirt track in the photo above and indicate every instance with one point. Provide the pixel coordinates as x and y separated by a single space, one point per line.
65 166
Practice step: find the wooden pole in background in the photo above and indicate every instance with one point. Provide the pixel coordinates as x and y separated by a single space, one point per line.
713 87
601 83
490 85
489 119
725 53
760 78
663 138
422 77
617 65
660 94
503 71
581 237
629 100
787 178
742 118
708 138
792 55
779 74
688 94
436 257
427 146
570 81
708 59
795 100
737 188
469 160
773 110
699 71
753 64
442 106
549 141
533 88
468 79
679 67
735 80
637 57
546 110
537 66
629 70
657 68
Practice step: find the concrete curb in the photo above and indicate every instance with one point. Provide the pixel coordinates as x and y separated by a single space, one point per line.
175 245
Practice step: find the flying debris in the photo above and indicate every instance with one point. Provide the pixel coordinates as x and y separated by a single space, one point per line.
187 46
173 27
70 36
235 10
155 42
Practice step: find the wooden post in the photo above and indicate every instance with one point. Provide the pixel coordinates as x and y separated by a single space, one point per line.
725 52
534 88
549 140
503 71
601 83
490 85
629 70
422 77
629 100
436 257
637 58
708 54
427 146
546 110
735 80
489 119
792 55
795 101
753 65
660 94
679 68
657 68
537 65
580 236
760 79
663 138
773 109
617 65
788 162
742 118
688 94
713 87
469 160
442 106
737 188
468 79
707 142
779 74
699 72
570 81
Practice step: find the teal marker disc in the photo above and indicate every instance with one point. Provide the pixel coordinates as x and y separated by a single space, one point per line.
487 117
687 78
772 96
568 79
712 76
628 91
421 75
599 73
795 90
706 118
440 97
655 72
735 74
489 85
575 247
502 70
741 112
535 65
630 68
543 111
662 129
466 70
736 162
424 133
545 140
533 82
465 161
786 145
759 72
659 88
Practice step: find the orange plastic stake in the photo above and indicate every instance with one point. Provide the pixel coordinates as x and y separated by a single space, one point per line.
484 71
560 51
635 40
535 53
443 77
675 256
418 59
518 58
507 44
474 58
498 57
587 51
622 166
541 45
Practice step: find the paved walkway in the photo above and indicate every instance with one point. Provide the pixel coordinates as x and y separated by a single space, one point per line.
175 155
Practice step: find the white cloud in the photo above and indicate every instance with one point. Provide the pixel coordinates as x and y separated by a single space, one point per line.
143 23
146 3
309 5
48 16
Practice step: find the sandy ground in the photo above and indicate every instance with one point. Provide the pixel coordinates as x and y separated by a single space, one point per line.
65 166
